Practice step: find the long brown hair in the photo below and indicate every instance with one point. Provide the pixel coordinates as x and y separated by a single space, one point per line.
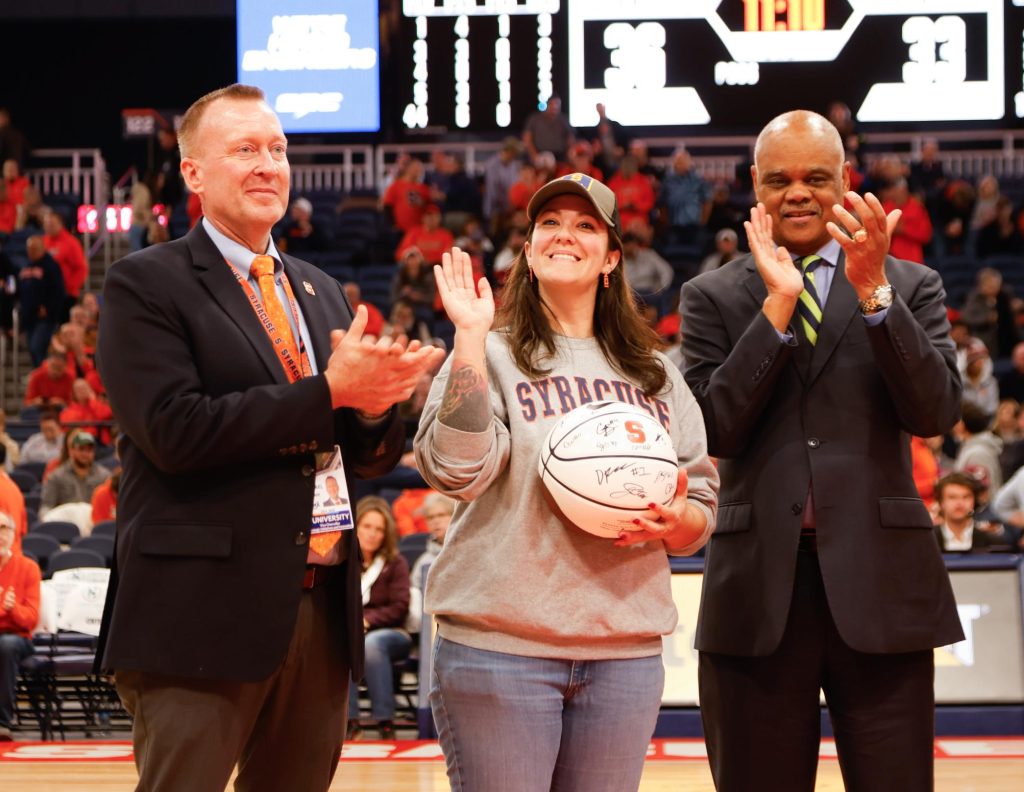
625 339
371 503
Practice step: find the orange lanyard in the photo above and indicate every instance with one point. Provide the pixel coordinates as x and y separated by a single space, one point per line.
294 369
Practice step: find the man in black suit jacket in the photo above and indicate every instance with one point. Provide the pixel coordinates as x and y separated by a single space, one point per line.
231 637
822 571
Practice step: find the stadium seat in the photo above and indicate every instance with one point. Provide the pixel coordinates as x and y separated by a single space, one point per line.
104 528
26 481
104 545
64 532
412 546
33 468
74 559
42 546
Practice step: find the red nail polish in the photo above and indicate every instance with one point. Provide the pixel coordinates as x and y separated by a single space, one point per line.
651 505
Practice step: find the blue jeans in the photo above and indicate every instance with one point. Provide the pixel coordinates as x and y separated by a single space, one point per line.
383 647
13 649
509 723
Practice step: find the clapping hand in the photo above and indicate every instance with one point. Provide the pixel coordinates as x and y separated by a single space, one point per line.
370 374
865 240
774 264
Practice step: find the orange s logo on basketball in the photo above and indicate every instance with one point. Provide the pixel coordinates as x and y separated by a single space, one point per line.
635 431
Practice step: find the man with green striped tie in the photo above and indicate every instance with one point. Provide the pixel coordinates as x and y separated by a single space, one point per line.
814 359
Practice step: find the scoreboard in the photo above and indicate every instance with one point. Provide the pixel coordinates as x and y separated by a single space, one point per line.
484 65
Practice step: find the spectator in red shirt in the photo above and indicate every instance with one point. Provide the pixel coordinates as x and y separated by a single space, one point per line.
407 196
634 193
8 210
49 385
67 250
85 406
581 160
16 183
429 236
374 318
520 193
104 499
914 229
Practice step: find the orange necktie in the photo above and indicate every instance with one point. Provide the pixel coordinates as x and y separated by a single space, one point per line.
263 269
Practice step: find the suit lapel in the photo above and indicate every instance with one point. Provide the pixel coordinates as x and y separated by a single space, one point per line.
839 310
802 354
313 311
215 275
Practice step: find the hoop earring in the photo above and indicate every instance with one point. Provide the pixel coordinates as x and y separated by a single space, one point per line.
606 281
529 270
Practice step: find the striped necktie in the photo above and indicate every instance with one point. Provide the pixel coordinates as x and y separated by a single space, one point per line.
809 303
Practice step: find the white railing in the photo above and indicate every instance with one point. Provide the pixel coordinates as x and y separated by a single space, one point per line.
350 168
79 171
474 156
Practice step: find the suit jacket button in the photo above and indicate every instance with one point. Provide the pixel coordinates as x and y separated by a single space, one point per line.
797 508
307 470
813 442
300 538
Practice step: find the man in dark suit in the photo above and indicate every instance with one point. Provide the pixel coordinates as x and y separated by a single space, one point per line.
823 571
231 631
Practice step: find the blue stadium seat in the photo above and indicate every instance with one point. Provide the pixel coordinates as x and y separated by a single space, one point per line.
75 559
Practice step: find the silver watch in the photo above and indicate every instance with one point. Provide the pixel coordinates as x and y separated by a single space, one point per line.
880 298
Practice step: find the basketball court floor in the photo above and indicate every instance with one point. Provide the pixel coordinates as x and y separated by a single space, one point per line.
962 765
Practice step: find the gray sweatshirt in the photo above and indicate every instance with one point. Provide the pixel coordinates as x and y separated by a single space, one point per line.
512 577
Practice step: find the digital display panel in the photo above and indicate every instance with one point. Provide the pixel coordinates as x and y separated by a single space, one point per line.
318 61
484 65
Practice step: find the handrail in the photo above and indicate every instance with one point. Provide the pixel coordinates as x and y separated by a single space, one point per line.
85 175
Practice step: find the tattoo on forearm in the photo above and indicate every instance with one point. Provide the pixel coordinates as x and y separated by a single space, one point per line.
465 405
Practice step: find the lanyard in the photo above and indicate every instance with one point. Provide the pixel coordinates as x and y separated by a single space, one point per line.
295 370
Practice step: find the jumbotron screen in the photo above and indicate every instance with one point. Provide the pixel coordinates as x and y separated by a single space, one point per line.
317 60
484 65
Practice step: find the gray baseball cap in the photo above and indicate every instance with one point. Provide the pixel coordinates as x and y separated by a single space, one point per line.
599 196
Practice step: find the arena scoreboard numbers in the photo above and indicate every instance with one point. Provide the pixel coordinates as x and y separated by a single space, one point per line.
483 65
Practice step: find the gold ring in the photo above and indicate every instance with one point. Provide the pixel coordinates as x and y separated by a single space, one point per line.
860 236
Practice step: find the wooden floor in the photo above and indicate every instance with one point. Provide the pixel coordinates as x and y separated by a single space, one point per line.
952 775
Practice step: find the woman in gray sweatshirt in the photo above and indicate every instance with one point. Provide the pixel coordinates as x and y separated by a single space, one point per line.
547 668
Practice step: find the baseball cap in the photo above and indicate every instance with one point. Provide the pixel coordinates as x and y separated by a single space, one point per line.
83 438
599 196
304 205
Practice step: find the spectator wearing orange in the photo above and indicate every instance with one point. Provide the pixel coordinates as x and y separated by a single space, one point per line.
407 196
12 502
19 615
104 499
8 210
524 187
374 318
581 160
16 183
925 469
67 250
87 406
914 229
634 193
429 236
49 385
407 509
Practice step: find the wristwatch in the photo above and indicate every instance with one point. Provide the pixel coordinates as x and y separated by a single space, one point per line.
880 298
